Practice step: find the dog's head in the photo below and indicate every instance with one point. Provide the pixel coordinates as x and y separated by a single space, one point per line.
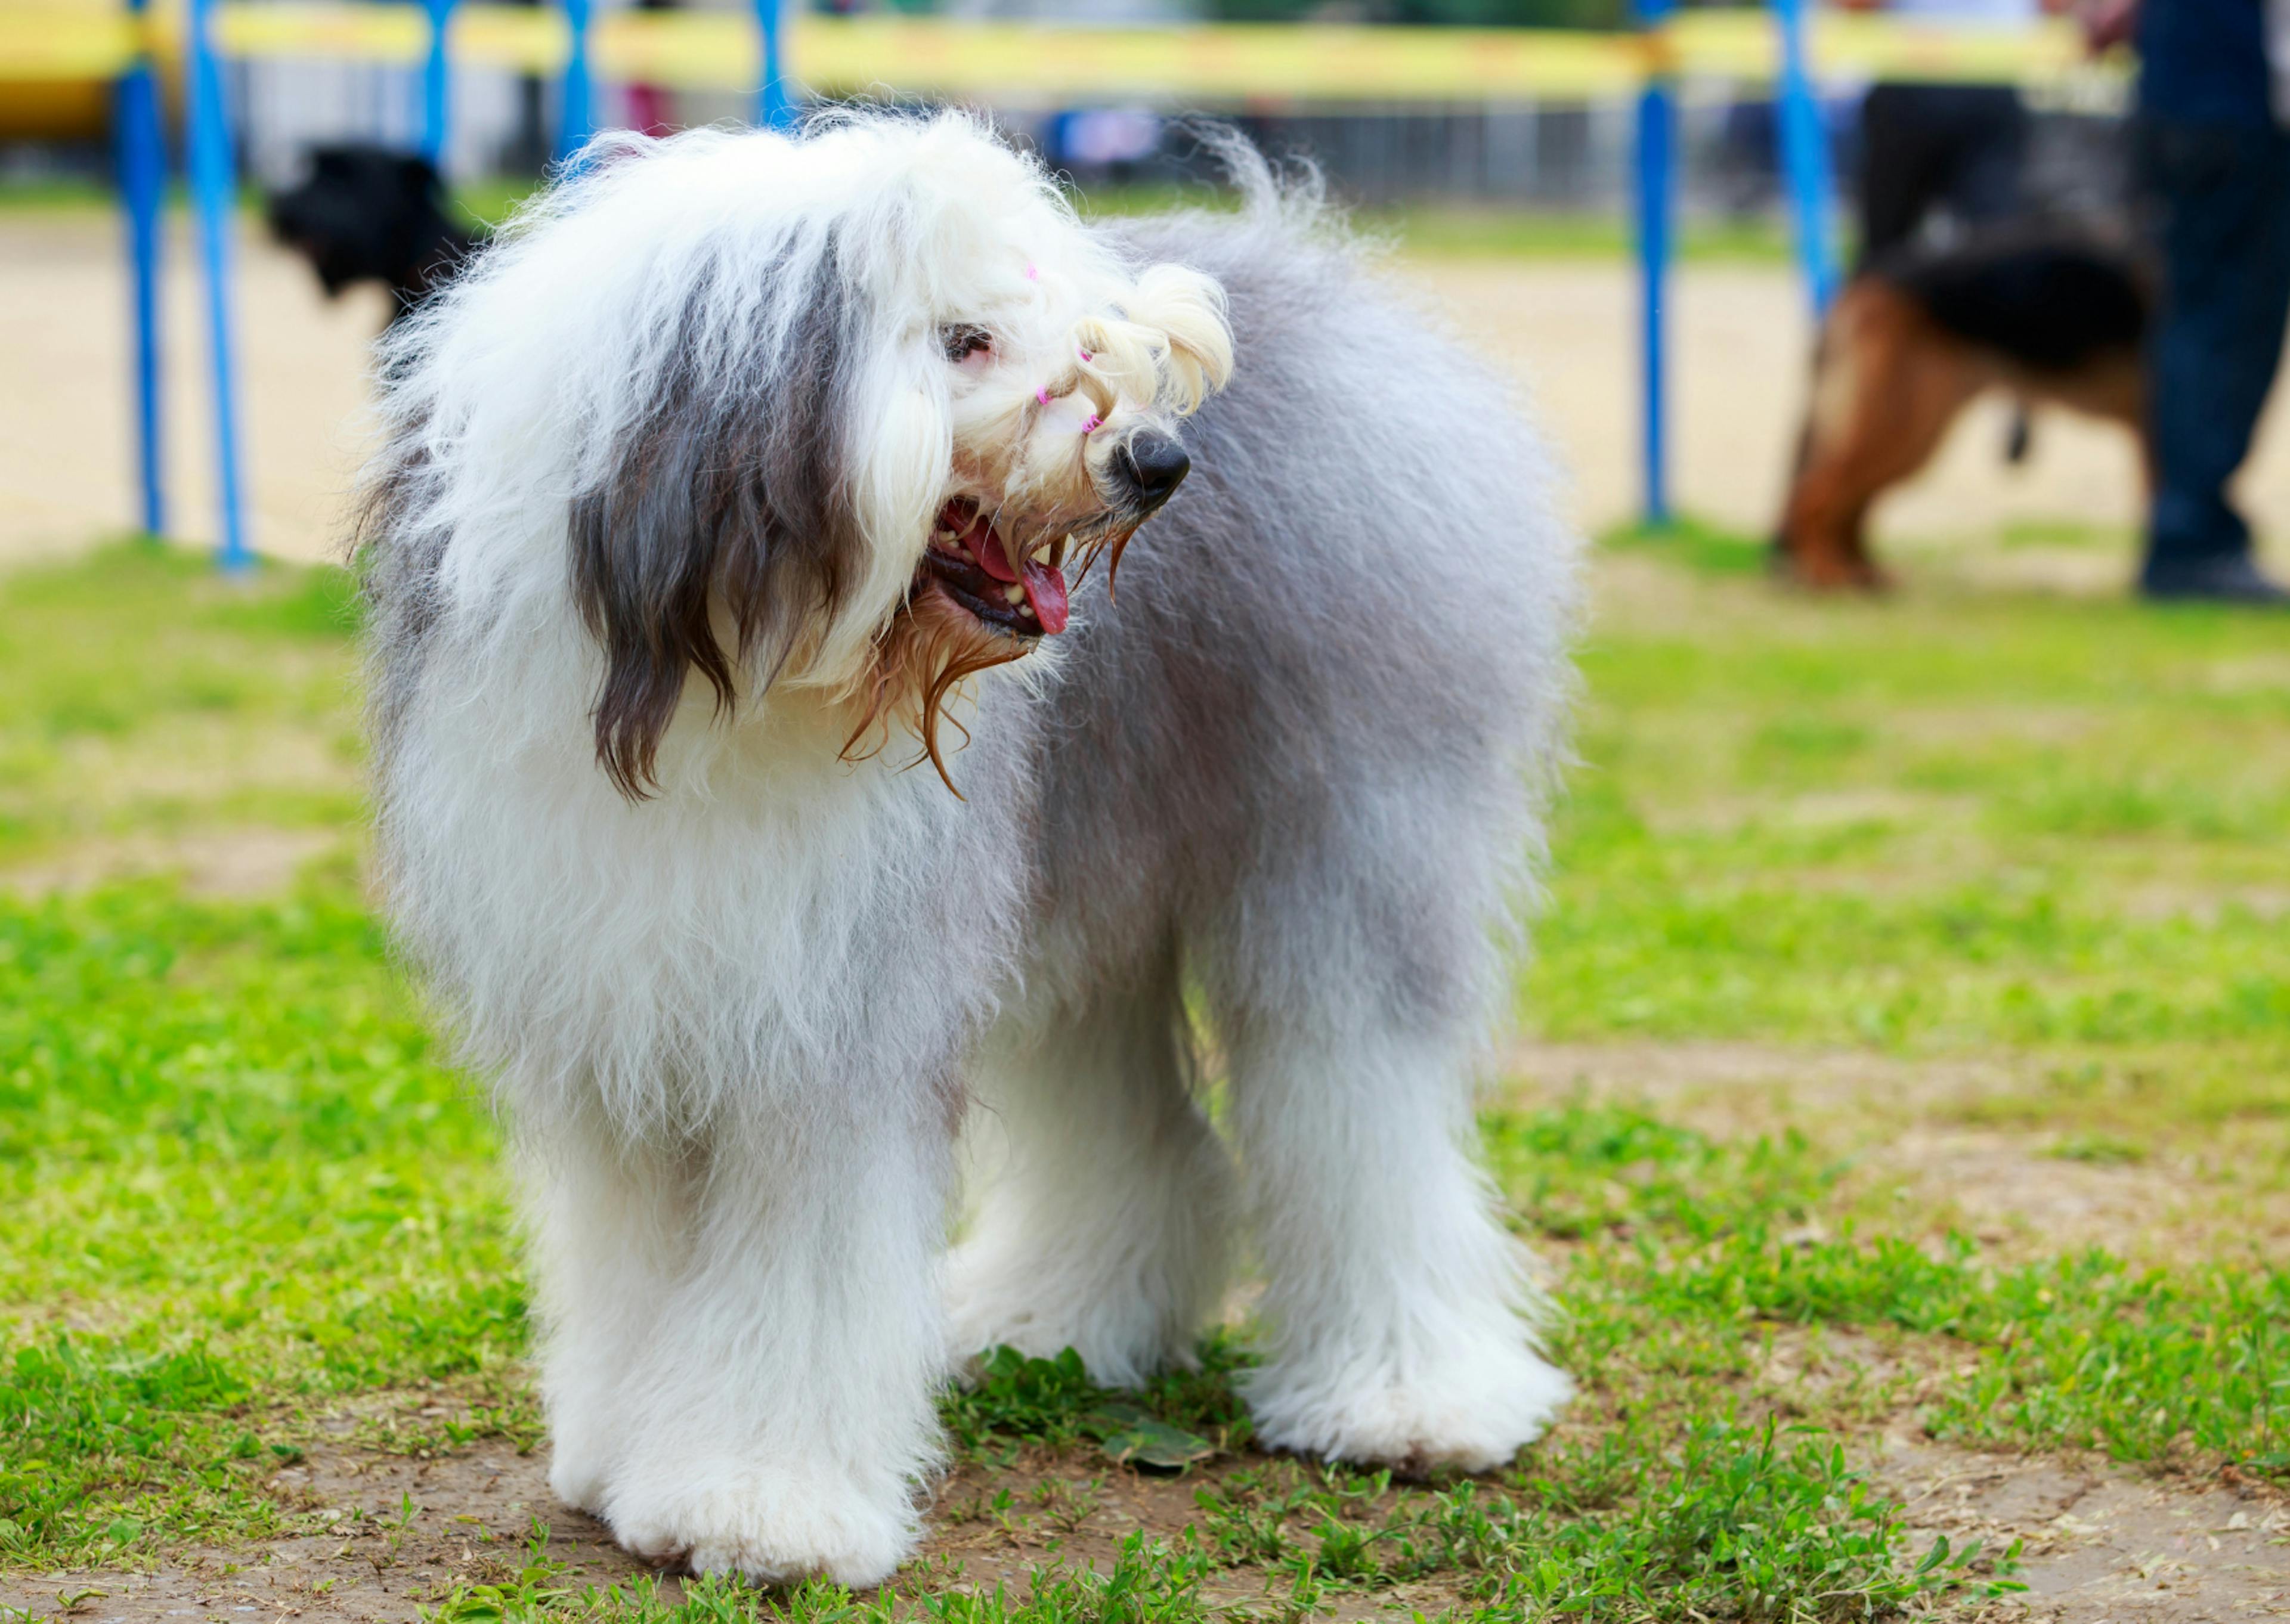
846 413
363 214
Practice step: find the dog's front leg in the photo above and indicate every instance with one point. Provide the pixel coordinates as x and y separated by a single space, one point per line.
780 1414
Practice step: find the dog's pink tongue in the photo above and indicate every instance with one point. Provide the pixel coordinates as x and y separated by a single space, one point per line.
1045 590
985 546
1046 586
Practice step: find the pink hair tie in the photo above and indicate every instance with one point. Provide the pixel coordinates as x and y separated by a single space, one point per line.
1032 273
1091 422
1085 354
1042 394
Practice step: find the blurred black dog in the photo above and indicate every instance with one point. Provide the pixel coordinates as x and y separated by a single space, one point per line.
370 214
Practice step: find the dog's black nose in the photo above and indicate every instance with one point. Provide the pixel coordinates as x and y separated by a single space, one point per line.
1153 464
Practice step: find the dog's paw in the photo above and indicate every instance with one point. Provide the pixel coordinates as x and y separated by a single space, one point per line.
775 1527
577 1478
1465 1408
994 1299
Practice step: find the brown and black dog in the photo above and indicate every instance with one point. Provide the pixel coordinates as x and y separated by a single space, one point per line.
1917 335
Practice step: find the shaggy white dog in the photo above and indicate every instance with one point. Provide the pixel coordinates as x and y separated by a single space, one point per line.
742 471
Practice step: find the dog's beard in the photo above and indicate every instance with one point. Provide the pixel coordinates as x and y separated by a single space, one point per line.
936 640
932 644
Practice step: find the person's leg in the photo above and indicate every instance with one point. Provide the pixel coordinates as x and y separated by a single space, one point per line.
2223 198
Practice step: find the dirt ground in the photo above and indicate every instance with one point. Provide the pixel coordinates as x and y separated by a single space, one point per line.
1566 329
2098 1543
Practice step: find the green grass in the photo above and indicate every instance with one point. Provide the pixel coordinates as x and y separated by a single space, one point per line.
247 1197
1952 824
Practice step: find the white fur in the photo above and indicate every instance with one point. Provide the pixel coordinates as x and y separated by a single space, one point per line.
734 1024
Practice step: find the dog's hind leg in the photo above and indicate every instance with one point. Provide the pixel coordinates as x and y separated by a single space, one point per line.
1351 996
1887 386
1395 1301
1105 1194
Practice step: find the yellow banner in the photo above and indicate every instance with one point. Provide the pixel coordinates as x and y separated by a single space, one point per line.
1745 46
394 35
1230 64
55 44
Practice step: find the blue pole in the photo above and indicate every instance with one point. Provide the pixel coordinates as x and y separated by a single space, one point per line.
1805 158
437 86
1657 141
214 190
142 156
775 110
577 119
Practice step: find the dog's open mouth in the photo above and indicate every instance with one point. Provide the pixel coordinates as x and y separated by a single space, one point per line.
969 559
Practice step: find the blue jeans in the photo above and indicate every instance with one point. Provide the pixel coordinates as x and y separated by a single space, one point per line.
2221 193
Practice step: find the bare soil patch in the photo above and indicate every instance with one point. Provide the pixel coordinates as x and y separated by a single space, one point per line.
238 862
2099 1543
1904 1123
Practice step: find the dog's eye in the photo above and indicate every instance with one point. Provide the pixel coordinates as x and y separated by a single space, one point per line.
963 342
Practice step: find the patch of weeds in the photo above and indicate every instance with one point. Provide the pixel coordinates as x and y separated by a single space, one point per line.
101 1446
1177 1418
531 1590
139 688
2183 1365
223 1118
1709 550
1713 1518
2099 1149
1582 1170
1701 1242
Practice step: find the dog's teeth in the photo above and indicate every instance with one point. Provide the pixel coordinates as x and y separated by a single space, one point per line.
1013 595
1041 555
1026 610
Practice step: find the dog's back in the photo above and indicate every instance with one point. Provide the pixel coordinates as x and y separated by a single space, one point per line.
2051 302
1356 613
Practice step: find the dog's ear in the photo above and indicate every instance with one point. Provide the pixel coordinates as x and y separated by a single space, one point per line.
724 509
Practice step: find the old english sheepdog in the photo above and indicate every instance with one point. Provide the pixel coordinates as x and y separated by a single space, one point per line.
772 782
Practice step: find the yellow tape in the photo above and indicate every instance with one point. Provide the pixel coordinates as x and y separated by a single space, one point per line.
57 44
1219 64
517 39
393 35
1229 63
1744 46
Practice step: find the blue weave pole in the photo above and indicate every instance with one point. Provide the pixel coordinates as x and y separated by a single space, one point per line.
437 86
214 187
141 146
1804 159
774 107
1656 154
576 119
